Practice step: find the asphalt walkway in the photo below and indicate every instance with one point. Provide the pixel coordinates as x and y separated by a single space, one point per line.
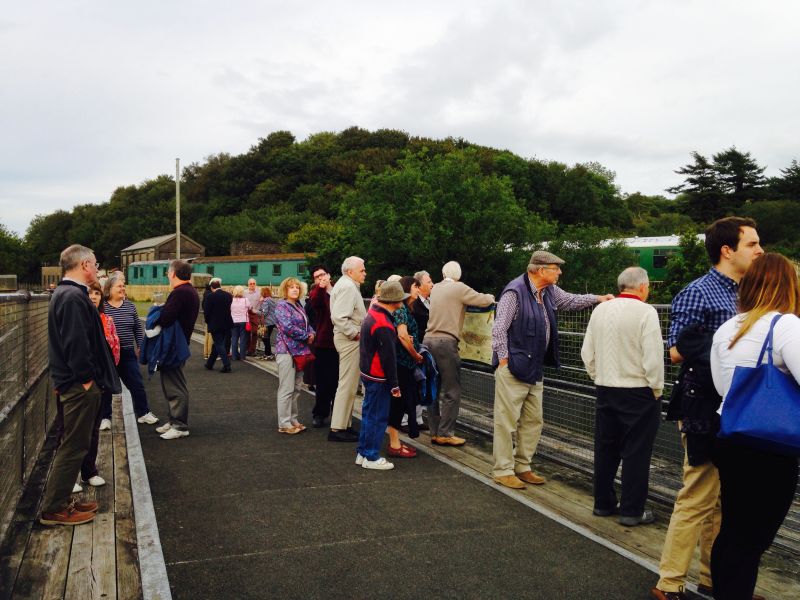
246 512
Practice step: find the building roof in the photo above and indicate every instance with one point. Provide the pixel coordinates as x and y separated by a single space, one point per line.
154 242
253 257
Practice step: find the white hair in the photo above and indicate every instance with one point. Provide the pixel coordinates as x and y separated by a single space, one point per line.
631 278
394 278
351 263
420 274
452 270
73 256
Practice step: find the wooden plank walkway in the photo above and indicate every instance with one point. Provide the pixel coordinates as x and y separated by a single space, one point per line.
94 561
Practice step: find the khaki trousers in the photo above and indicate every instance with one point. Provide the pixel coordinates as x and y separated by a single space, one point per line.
80 412
696 515
517 407
349 374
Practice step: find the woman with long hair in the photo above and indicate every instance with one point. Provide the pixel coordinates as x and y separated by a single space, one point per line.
239 313
131 334
295 336
757 486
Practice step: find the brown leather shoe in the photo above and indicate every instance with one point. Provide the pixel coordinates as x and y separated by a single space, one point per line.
66 516
708 591
531 477
85 506
448 441
510 481
662 595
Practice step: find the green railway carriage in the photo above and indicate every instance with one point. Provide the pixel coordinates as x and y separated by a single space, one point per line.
653 252
266 269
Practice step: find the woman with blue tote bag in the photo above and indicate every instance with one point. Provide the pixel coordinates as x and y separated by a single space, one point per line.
757 453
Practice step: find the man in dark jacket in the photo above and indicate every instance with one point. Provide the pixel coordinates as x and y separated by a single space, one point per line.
82 368
217 309
327 362
182 306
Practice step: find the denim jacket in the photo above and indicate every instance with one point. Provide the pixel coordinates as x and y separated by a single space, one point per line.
293 329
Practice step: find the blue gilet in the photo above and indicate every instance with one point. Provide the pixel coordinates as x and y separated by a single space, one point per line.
528 350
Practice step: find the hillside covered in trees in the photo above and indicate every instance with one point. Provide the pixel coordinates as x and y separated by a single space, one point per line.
406 202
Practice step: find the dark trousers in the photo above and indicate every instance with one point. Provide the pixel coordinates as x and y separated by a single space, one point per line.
443 413
239 339
327 376
757 489
173 384
218 349
406 404
268 343
89 464
625 426
80 410
131 375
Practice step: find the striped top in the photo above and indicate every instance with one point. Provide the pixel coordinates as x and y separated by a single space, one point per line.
127 322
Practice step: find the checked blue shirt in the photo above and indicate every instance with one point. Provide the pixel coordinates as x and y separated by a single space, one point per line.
710 300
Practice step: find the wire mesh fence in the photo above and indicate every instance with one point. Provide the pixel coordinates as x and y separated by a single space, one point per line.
26 398
568 435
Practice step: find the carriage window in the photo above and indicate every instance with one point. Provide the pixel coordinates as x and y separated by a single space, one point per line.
210 270
276 270
301 269
155 272
660 257
253 270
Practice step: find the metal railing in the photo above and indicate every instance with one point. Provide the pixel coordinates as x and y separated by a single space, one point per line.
568 435
27 406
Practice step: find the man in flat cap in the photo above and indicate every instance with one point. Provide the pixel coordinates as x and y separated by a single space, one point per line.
524 338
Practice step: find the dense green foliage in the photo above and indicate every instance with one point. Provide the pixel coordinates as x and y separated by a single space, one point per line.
405 203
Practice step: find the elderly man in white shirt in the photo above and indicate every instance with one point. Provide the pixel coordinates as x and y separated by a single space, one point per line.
347 314
624 355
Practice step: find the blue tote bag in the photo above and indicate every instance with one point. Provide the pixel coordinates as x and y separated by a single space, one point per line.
762 408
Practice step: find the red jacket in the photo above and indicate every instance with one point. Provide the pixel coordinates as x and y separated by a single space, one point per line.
320 301
377 349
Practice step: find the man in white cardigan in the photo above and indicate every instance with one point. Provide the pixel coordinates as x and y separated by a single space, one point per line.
347 314
624 355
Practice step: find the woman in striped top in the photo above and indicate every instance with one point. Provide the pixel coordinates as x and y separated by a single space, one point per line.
130 332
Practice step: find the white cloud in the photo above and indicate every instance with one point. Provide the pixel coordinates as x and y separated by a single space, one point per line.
100 95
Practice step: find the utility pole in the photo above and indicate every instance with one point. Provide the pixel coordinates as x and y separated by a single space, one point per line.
177 208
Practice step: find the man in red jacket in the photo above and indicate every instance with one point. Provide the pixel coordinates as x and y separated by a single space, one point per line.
378 361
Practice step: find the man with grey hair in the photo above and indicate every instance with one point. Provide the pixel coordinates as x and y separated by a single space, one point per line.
82 368
347 315
420 309
524 339
624 355
448 302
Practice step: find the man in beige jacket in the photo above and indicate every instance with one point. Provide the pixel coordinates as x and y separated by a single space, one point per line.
347 314
624 355
448 302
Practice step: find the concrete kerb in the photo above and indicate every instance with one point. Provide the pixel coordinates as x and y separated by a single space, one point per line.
153 570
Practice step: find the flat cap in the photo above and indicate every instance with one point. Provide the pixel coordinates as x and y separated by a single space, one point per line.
542 257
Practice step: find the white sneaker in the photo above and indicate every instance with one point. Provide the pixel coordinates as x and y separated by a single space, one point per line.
379 465
96 481
164 428
105 424
359 460
148 419
174 434
77 488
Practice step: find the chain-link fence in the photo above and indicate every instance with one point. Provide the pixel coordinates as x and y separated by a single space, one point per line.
26 399
568 435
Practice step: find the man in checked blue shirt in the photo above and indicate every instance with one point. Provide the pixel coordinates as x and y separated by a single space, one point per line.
732 244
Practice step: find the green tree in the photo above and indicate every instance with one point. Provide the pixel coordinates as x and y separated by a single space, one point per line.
682 268
703 192
12 253
740 175
788 185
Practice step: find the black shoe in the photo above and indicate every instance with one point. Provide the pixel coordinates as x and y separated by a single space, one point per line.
605 512
341 436
317 422
423 427
225 370
352 431
646 518
404 428
208 366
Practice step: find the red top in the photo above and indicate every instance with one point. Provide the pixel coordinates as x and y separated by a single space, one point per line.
111 335
320 301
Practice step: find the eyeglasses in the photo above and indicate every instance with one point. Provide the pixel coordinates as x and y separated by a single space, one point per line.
96 265
321 275
553 268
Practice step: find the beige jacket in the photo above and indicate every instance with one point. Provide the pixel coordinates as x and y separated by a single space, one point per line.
347 308
448 302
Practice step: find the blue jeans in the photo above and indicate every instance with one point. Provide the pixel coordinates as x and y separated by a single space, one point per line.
239 339
131 376
219 349
374 418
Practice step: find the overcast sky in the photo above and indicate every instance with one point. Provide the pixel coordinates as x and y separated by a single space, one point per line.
96 95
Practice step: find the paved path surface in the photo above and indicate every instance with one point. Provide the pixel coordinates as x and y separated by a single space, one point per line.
246 512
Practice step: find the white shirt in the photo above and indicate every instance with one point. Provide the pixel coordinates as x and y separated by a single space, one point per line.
785 349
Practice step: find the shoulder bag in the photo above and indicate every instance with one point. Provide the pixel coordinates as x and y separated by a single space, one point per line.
762 408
